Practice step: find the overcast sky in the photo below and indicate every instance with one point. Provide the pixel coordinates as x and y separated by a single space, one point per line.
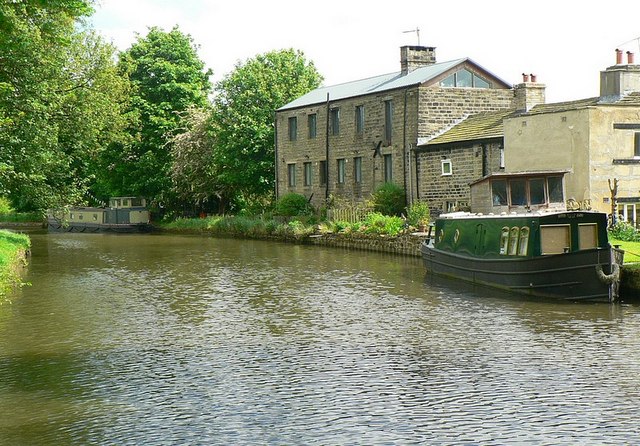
566 43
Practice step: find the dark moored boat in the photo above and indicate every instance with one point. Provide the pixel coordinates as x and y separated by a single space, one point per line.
546 253
124 214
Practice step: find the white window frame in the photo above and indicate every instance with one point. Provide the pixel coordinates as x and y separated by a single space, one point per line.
447 171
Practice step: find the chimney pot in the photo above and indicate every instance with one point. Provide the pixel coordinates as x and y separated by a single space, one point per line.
618 57
630 58
534 78
525 77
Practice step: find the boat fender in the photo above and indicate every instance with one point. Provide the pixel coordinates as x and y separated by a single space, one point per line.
608 278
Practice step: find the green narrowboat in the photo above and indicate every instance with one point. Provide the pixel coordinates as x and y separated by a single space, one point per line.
123 215
544 252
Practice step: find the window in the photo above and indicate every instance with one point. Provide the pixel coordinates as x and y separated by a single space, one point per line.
587 236
291 170
312 124
636 144
293 128
465 79
536 191
388 120
501 157
524 241
388 169
335 121
322 172
307 174
357 169
446 167
518 192
341 170
555 190
499 192
555 239
359 119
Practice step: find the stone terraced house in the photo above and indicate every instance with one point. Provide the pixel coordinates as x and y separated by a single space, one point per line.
346 140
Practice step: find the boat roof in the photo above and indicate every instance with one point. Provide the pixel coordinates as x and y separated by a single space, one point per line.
536 213
524 173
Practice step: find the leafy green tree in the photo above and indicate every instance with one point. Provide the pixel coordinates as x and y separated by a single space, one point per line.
243 117
59 96
167 78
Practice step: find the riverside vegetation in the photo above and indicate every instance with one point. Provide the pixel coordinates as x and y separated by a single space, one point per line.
13 250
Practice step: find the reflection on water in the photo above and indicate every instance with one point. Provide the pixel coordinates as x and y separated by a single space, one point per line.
185 340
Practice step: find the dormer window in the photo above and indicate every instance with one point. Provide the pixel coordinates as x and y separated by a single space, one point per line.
465 79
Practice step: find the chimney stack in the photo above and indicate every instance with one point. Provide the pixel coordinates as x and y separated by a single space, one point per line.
529 93
619 80
414 57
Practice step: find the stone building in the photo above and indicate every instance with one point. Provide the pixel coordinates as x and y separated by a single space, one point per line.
346 140
595 140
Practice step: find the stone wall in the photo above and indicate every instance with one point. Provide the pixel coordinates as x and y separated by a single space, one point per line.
408 245
467 163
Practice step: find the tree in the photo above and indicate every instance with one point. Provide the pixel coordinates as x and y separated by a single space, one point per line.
167 78
243 117
59 95
193 173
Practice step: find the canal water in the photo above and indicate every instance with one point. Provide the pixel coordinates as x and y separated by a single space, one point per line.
175 340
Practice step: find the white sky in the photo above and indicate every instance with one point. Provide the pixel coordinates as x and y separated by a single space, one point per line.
566 43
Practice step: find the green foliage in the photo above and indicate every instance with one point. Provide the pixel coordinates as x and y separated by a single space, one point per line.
625 232
293 205
418 214
377 223
243 117
11 247
5 206
59 101
167 79
389 199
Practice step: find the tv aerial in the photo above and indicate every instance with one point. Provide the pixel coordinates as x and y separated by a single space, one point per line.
417 31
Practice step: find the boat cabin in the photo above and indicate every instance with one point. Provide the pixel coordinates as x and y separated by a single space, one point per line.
501 193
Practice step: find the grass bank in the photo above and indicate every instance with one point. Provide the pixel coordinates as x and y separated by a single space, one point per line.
13 249
631 250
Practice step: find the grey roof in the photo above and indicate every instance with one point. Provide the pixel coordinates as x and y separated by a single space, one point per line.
375 84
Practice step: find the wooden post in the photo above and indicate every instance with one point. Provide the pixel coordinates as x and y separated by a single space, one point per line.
614 193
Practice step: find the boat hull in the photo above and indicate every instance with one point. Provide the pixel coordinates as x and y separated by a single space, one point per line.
582 275
121 228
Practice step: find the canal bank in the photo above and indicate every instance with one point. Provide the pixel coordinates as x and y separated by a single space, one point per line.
14 249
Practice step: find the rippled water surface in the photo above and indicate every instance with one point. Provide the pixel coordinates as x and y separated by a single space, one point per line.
168 340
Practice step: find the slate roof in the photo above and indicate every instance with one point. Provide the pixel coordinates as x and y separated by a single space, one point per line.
489 125
476 127
377 84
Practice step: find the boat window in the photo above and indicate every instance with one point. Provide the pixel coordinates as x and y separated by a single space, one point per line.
524 241
440 235
456 236
95 217
555 189
518 192
536 191
514 236
80 216
587 236
555 239
71 216
499 192
125 202
504 240
136 202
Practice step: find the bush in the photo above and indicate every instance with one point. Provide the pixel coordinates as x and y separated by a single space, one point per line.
389 199
418 214
293 205
625 232
376 223
5 206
